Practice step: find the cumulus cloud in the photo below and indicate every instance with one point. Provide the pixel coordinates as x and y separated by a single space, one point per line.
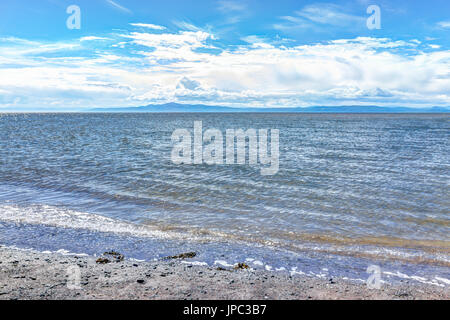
186 66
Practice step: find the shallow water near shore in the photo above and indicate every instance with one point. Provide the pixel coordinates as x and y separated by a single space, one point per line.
352 190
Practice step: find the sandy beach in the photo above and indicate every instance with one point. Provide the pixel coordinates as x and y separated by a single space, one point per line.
32 275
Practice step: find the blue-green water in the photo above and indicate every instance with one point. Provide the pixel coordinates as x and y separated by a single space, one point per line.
352 190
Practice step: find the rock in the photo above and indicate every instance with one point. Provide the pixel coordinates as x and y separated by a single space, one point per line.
141 281
220 269
118 257
187 255
241 266
102 261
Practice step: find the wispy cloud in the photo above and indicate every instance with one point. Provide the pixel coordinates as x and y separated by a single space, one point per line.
148 26
231 6
184 25
254 39
233 11
444 24
118 6
320 15
93 38
330 14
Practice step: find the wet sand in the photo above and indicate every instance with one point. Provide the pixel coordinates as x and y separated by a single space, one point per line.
32 275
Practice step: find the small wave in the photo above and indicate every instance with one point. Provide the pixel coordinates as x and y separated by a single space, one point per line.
65 218
436 281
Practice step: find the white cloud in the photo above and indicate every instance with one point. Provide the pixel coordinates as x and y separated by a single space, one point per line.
93 38
187 67
118 6
444 24
148 25
171 40
231 6
186 26
329 14
320 15
254 39
233 11
18 41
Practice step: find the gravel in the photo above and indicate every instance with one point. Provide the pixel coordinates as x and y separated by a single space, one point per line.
26 275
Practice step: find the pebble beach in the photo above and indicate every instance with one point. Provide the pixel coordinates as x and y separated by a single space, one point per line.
31 275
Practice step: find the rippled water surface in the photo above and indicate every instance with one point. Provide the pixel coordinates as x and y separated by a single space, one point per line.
368 186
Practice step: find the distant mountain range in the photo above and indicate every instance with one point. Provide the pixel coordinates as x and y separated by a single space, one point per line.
176 107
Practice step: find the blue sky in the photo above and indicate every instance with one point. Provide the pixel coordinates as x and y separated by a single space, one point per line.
236 53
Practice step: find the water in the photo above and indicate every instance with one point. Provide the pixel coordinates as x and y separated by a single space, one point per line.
352 190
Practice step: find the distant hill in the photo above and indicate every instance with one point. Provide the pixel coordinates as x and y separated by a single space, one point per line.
176 107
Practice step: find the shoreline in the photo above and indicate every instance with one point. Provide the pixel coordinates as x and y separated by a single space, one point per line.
31 275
